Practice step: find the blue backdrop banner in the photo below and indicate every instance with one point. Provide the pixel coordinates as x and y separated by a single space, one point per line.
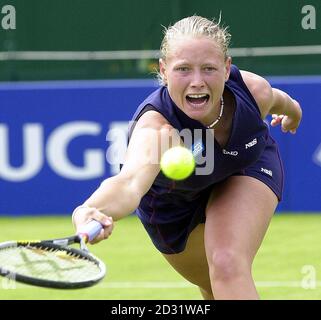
59 140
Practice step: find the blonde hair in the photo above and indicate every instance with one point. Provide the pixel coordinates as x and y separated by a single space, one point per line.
195 26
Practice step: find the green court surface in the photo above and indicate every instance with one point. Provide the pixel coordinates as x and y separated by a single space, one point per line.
287 266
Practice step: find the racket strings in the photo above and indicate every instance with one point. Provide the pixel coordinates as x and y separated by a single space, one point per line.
48 263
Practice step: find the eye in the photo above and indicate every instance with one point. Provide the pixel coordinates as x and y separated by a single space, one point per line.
209 69
182 68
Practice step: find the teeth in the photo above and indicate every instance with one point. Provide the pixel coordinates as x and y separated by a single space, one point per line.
197 95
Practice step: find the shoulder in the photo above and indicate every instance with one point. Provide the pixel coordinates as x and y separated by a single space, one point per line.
153 120
152 128
260 89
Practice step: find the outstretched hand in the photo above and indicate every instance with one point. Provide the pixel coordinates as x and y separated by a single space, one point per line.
285 122
82 215
288 123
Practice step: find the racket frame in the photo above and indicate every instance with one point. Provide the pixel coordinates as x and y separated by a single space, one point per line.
54 244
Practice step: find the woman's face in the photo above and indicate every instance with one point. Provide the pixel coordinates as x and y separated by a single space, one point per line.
195 72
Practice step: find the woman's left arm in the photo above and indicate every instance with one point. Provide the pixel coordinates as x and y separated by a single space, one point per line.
284 110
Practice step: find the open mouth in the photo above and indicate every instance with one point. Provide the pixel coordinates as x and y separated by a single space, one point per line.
197 100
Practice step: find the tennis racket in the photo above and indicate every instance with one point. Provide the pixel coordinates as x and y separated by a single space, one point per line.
52 263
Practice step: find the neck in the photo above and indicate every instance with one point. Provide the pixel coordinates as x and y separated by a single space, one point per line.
215 122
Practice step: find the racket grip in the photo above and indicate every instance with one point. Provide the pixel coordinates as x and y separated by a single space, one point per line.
90 230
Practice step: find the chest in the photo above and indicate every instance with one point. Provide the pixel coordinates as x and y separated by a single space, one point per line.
224 130
233 149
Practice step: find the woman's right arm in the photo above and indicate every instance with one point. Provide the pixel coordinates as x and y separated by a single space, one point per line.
120 195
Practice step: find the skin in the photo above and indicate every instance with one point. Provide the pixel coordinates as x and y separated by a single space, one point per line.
219 255
187 71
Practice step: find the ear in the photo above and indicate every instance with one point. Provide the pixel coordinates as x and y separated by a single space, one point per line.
228 63
162 70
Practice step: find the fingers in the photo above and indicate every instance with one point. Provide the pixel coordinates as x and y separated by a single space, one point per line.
102 218
276 119
107 223
104 234
84 215
285 122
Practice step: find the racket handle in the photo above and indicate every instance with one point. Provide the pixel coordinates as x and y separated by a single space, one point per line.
90 230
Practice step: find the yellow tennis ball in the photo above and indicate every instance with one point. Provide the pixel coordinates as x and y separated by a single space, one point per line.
177 163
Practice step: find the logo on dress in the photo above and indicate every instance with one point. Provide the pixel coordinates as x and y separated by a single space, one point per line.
197 148
269 172
231 153
251 143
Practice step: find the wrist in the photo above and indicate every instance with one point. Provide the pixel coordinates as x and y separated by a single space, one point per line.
296 110
83 206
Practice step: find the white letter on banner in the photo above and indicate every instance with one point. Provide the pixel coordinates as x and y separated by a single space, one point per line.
57 151
32 153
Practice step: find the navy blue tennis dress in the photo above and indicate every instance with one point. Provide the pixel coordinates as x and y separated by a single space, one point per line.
170 210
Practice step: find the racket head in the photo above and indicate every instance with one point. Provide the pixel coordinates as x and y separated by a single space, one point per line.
47 264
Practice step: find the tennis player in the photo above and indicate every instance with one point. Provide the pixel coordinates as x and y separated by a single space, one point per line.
208 227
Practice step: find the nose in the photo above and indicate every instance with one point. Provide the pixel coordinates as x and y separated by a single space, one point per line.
197 80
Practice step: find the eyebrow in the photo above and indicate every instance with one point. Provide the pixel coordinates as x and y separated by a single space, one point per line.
181 62
185 62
